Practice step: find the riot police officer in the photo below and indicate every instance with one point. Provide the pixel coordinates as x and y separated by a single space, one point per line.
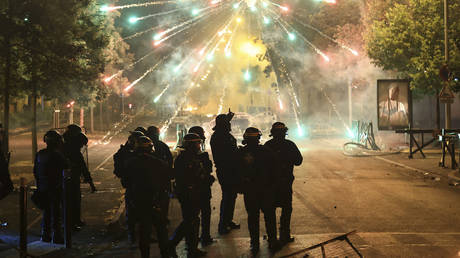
258 180
162 152
190 174
224 149
48 167
145 184
74 140
125 152
287 156
205 190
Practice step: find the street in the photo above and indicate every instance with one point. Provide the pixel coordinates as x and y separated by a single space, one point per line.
396 212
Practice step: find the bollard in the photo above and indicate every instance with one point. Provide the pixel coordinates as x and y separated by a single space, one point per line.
66 208
23 218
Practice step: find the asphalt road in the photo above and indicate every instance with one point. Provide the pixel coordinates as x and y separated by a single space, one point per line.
396 212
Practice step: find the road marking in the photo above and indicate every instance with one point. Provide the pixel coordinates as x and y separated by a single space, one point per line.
425 172
37 219
104 161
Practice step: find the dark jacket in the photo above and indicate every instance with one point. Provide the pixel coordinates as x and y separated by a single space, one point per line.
193 175
224 153
287 156
48 167
257 168
77 163
119 163
162 152
146 176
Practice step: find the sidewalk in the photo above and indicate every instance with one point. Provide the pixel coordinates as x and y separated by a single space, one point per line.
427 167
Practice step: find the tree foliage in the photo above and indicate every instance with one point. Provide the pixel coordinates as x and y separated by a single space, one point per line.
410 40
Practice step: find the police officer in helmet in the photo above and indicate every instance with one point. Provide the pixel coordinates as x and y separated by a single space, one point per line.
48 167
74 140
125 152
190 174
145 184
162 152
287 156
224 153
258 181
205 189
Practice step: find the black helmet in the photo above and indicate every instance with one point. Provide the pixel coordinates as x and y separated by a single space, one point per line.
153 133
153 130
73 128
251 133
222 122
189 139
71 131
141 129
278 128
197 130
134 136
143 143
52 137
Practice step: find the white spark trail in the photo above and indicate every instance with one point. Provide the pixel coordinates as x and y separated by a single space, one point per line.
160 14
187 25
112 8
151 69
157 98
354 52
316 49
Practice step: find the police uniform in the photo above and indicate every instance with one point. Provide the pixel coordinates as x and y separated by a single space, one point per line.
205 189
48 168
224 152
74 140
191 172
258 181
145 183
287 155
121 171
162 152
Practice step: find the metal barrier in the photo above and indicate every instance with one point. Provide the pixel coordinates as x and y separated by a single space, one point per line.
321 245
363 133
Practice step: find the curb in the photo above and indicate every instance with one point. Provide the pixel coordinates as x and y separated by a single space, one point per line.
453 176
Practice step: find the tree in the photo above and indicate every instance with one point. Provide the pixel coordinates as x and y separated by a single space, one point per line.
11 23
56 47
410 40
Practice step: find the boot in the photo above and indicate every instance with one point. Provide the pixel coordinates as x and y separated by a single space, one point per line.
273 245
255 246
196 253
207 240
58 238
284 240
145 251
46 236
